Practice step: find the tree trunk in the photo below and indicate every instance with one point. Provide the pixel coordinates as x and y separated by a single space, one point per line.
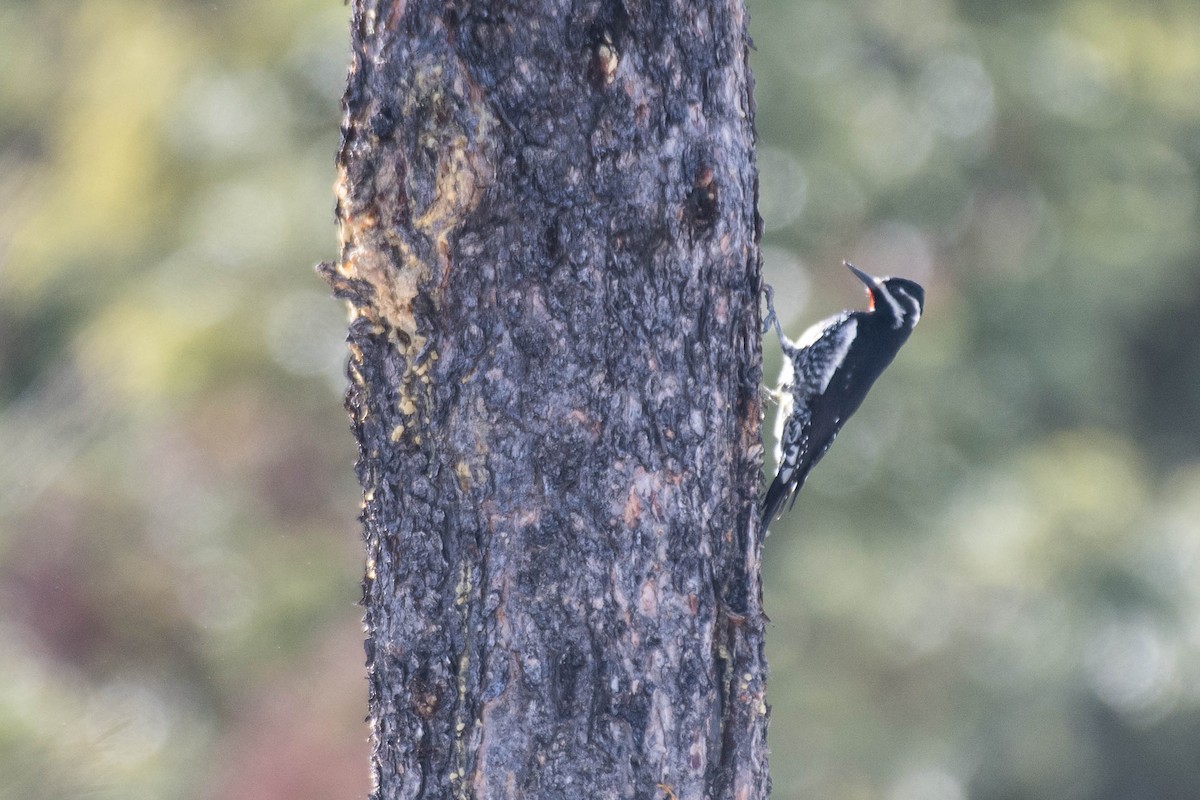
550 245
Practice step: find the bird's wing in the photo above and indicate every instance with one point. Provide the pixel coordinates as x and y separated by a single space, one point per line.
808 366
816 361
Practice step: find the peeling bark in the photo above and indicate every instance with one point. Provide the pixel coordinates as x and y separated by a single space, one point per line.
550 247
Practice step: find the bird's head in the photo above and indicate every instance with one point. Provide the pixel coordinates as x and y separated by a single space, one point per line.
897 299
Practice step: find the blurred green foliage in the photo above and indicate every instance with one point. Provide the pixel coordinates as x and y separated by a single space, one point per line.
990 589
179 558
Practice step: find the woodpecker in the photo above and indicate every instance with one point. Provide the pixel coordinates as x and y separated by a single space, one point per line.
827 373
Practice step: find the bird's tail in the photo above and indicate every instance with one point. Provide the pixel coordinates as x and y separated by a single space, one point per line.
777 495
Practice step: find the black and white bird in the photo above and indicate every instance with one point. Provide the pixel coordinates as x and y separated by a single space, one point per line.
827 373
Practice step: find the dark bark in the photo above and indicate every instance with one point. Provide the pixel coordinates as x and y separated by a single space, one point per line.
550 245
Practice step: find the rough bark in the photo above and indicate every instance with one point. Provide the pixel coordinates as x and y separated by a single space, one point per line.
549 242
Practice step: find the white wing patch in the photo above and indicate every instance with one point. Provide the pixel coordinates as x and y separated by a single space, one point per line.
786 404
820 366
808 366
814 332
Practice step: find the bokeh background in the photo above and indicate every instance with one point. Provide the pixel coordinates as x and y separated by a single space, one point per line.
990 589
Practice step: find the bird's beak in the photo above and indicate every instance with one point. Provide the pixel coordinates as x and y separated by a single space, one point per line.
862 276
868 280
